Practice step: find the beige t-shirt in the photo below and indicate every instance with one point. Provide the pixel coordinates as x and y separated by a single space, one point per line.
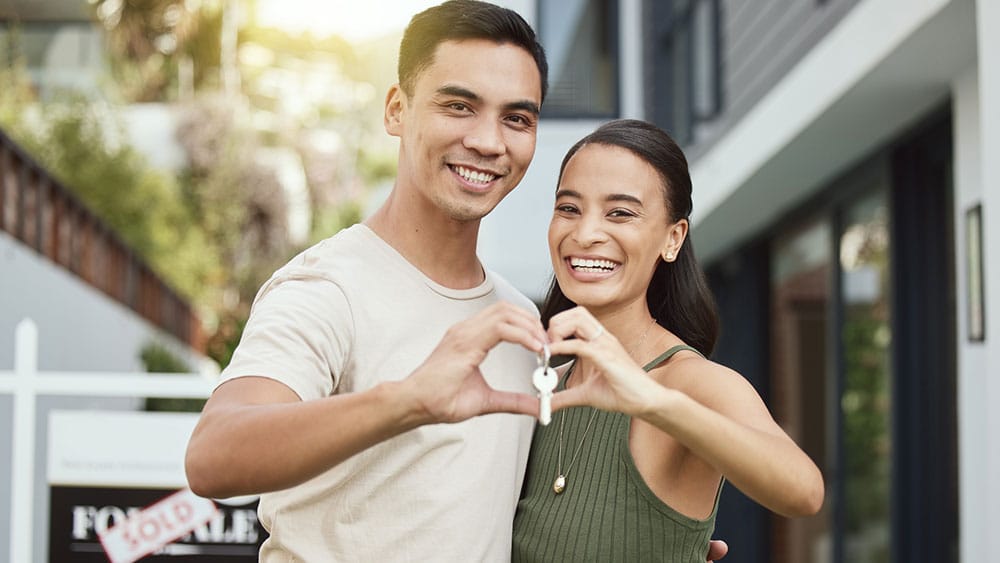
343 316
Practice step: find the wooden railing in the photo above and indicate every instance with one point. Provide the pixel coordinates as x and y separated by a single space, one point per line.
39 211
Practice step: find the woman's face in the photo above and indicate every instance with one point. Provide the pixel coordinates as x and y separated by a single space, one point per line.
609 228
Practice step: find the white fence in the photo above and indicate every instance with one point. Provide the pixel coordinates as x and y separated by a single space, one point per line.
26 384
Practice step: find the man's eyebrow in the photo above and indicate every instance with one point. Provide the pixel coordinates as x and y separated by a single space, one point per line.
451 90
610 197
522 105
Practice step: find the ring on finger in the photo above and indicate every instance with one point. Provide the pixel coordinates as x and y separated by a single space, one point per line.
600 331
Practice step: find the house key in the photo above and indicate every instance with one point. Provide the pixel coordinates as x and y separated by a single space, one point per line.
545 380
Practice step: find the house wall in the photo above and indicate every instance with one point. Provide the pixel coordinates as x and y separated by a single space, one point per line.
762 41
80 328
977 134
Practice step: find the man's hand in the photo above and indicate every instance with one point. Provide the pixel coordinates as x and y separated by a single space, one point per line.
717 549
448 385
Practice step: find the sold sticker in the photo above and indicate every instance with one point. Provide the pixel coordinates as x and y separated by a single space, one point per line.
156 526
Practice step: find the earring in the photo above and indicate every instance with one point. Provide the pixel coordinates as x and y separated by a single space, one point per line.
669 257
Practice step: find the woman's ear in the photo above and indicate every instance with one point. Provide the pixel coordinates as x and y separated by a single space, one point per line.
393 115
675 239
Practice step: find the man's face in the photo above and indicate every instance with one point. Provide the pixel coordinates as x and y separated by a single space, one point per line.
467 131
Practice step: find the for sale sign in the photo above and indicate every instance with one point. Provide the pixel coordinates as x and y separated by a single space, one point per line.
117 492
147 531
82 515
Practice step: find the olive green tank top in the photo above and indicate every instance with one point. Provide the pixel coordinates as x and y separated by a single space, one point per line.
606 512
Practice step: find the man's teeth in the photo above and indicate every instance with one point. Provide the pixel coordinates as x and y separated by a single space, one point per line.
587 265
473 176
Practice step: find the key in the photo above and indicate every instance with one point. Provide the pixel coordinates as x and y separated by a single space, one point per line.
545 380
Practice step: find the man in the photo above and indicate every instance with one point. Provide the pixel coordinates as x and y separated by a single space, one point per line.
331 401
362 346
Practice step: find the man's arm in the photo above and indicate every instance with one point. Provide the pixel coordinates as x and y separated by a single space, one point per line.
255 435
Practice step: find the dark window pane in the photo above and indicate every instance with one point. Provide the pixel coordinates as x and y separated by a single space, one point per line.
580 39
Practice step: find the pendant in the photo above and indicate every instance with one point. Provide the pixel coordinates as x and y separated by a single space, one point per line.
560 484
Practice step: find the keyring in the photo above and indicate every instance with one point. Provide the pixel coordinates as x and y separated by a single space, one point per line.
544 356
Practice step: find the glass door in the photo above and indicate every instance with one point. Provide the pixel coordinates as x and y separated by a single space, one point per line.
866 398
802 371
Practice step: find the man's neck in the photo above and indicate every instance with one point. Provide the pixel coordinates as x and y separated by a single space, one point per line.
440 247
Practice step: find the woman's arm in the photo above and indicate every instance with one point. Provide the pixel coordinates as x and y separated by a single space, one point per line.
711 410
721 419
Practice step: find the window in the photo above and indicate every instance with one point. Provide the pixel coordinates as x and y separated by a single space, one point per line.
866 400
683 54
831 370
803 371
581 43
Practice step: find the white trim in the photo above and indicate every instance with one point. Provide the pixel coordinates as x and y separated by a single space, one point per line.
26 384
630 83
987 382
22 474
860 85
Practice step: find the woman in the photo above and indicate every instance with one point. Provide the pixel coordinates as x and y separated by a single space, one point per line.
647 428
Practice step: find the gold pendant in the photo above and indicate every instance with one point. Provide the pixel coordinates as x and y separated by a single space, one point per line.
560 484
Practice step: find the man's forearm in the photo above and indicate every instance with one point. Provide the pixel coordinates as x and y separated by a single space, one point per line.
242 446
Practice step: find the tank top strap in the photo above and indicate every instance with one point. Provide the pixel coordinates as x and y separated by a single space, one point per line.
668 354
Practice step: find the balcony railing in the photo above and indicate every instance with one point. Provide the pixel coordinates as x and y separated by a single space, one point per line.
42 213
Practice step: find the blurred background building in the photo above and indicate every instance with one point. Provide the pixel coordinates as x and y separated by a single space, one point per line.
841 158
845 185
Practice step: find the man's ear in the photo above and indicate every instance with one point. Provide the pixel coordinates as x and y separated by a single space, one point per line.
393 116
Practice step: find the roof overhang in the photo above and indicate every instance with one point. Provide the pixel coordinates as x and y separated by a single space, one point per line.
885 65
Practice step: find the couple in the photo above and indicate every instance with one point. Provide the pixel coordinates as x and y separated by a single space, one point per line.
354 398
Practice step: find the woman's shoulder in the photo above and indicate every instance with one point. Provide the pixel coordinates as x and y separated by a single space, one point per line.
704 380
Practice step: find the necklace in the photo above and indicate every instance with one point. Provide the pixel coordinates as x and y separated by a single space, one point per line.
559 485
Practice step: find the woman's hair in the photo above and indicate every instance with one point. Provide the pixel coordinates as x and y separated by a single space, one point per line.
457 20
678 295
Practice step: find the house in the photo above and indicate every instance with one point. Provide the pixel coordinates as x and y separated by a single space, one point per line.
844 196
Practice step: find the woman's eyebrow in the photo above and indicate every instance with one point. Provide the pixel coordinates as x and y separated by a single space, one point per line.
565 192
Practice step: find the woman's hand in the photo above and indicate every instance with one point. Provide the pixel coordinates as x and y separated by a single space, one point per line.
605 376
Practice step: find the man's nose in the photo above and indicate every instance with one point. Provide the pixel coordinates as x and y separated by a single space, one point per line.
486 138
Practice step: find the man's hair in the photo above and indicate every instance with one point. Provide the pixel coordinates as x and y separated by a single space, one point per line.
457 20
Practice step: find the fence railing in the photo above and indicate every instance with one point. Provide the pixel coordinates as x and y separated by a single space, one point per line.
42 213
26 384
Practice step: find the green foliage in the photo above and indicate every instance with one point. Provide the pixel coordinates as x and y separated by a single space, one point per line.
222 343
376 168
17 92
217 230
157 358
149 40
142 205
328 221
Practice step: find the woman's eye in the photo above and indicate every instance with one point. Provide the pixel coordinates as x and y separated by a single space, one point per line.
621 213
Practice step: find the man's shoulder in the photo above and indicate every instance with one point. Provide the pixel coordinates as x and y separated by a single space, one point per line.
340 253
341 260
